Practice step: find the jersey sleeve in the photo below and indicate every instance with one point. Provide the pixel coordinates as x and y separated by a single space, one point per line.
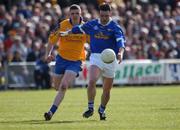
119 35
84 28
53 38
54 35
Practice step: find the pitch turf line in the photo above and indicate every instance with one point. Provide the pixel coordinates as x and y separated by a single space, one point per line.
130 108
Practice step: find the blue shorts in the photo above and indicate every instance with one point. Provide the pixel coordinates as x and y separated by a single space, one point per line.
62 65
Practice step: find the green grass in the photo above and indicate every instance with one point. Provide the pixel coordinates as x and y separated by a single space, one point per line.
130 108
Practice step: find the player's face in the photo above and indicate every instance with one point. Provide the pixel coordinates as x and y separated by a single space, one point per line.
104 16
75 14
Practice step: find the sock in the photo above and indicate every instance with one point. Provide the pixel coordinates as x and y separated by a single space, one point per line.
101 109
91 105
53 109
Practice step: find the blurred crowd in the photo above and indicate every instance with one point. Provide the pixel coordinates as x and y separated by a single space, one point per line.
151 32
152 27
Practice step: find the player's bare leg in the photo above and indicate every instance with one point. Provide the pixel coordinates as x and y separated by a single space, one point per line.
67 79
94 73
107 85
56 79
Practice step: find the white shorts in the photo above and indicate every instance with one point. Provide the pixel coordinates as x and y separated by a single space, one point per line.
108 70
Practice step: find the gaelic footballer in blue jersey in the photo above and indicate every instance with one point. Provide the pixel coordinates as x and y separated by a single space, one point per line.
105 36
104 33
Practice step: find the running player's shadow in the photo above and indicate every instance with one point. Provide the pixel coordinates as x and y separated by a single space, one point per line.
59 122
45 122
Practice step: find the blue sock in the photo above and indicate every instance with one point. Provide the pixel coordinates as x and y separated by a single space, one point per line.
102 109
53 109
91 105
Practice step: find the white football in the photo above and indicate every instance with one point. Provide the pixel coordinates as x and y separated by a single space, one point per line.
108 56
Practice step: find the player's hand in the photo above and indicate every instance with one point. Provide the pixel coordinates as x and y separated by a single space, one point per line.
49 58
120 57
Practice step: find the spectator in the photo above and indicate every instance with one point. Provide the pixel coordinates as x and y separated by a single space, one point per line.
17 57
21 20
2 75
19 47
41 73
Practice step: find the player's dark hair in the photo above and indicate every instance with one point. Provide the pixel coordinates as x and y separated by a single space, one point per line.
104 7
75 6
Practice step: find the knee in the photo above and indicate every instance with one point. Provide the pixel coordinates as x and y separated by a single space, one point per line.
64 86
63 89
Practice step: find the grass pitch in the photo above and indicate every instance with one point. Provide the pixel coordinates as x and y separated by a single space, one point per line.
130 108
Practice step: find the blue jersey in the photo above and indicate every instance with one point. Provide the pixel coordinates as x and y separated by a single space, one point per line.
102 36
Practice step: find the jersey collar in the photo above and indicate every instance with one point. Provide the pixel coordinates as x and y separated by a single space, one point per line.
99 21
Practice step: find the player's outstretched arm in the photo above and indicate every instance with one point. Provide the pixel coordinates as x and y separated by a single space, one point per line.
49 55
78 29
